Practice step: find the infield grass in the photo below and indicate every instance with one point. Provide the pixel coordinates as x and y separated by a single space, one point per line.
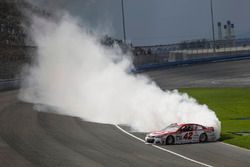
232 106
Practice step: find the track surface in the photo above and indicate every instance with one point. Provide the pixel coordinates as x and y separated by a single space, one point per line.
223 74
213 153
31 138
35 139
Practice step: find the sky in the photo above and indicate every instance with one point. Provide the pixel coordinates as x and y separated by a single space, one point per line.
152 22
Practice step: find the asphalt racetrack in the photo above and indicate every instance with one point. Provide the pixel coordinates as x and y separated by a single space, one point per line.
29 138
223 74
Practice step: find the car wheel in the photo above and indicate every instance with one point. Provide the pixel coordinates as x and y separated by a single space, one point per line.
203 137
170 140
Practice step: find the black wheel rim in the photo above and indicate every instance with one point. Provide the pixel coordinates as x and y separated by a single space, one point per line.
170 140
203 138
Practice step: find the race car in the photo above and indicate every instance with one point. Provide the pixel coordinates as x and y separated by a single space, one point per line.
181 133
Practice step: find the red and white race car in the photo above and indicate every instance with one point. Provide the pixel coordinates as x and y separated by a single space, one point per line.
181 133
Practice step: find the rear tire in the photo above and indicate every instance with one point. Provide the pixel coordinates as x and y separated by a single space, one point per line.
203 137
170 140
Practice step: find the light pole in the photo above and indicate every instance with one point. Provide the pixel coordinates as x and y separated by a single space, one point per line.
212 22
123 23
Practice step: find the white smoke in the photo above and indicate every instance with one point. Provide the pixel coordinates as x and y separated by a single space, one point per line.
80 77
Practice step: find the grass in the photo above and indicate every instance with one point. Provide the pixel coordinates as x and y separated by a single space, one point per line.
229 104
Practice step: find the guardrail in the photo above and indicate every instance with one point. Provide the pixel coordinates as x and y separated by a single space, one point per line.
153 66
9 84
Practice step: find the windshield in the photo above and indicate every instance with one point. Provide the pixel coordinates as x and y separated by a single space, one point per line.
172 128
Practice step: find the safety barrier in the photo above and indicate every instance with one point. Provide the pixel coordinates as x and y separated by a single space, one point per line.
9 84
152 66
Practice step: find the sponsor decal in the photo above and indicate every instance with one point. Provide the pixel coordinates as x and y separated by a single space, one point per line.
178 138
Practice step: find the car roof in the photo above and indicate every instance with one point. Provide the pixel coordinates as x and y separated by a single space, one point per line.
189 124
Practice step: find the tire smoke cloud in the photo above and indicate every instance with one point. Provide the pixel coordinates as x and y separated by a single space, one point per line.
78 76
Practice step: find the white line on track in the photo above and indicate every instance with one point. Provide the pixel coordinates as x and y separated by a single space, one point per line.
163 149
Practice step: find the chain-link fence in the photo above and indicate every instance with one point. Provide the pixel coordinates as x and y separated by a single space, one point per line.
190 50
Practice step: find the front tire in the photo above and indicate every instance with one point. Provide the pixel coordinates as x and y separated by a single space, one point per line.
203 137
170 140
